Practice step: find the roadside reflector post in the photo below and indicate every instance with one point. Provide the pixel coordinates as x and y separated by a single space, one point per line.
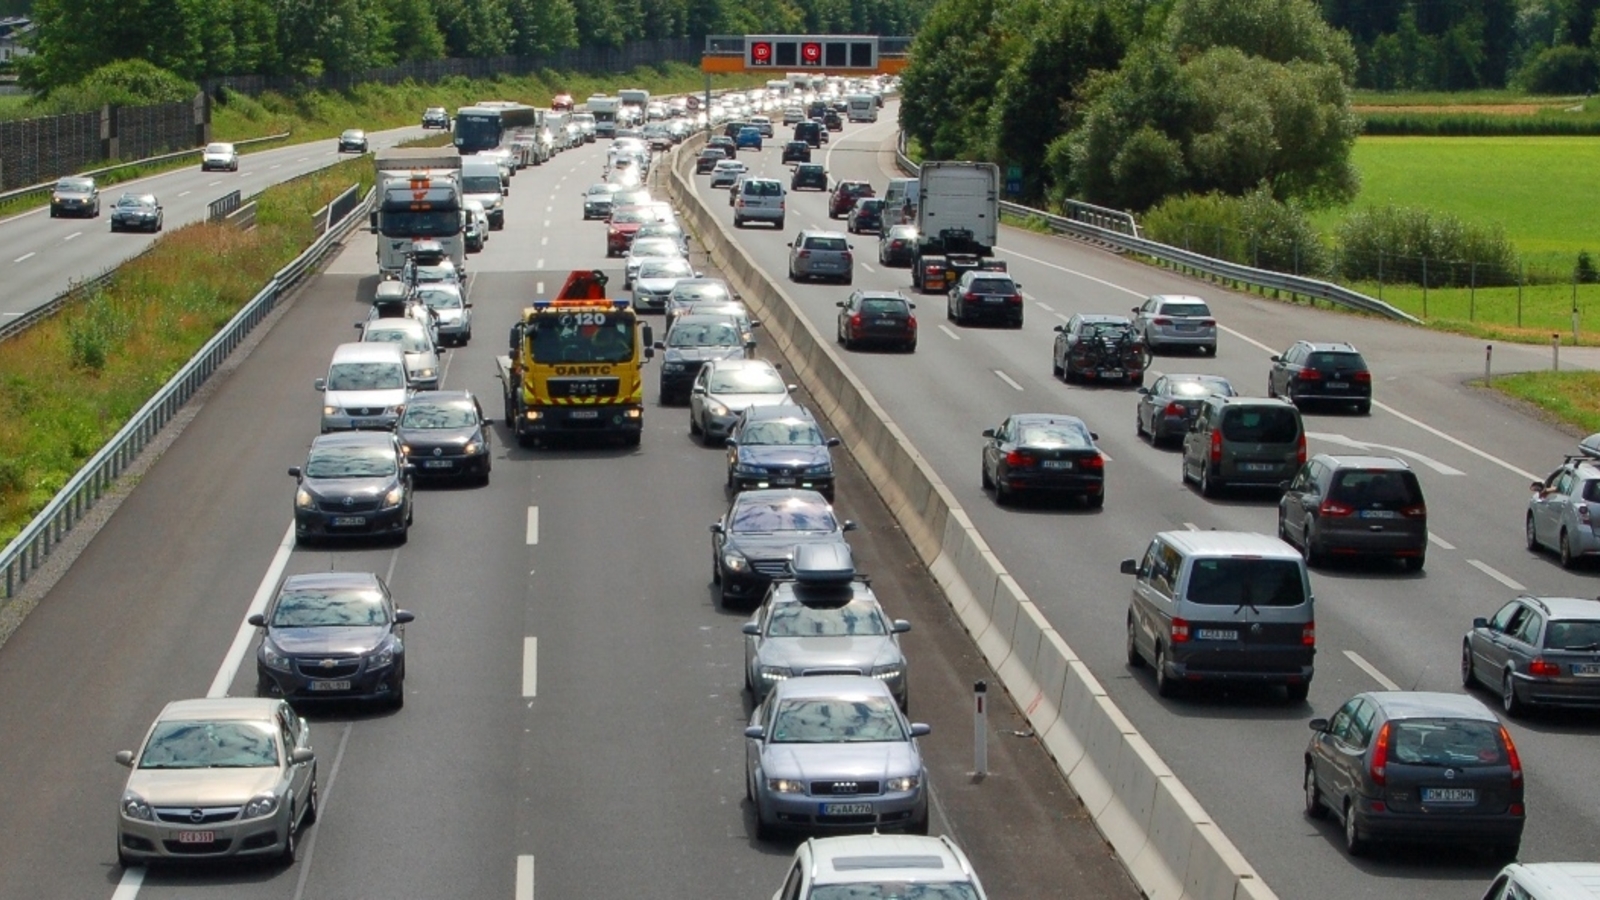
980 728
1555 352
1488 360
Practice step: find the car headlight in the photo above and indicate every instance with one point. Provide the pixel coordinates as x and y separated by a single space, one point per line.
824 469
264 805
775 673
734 562
888 673
473 448
744 468
382 658
425 373
786 786
672 368
134 807
716 409
903 783
303 499
273 659
395 410
330 410
395 495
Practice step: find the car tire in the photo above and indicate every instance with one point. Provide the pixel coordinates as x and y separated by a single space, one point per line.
1507 852
290 842
1468 678
54 214
738 222
694 426
1364 408
1354 843
1314 806
1297 693
1531 534
263 687
780 224
309 817
397 693
1564 548
1209 487
1002 494
911 347
918 826
124 860
1135 661
1139 429
764 832
1166 685
1513 705
986 482
1315 558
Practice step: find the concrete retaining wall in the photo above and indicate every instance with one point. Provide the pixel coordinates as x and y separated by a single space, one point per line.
1171 847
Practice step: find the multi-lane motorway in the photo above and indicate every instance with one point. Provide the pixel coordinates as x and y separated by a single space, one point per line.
1241 754
573 721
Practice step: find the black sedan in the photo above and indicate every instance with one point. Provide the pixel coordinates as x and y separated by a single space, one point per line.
332 636
895 245
708 159
1043 453
445 435
877 317
865 216
809 176
1167 407
692 340
136 212
353 140
354 484
755 540
796 152
780 447
1416 766
436 117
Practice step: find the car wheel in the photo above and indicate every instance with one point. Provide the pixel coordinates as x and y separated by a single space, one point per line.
1531 533
53 213
1568 560
1297 693
764 832
1134 659
1364 408
1468 678
1166 685
738 222
1509 701
780 224
1209 487
911 347
309 817
1138 425
1354 843
397 693
289 841
986 482
123 859
1002 494
694 425
918 826
1507 852
1314 807
1308 548
263 686
1271 391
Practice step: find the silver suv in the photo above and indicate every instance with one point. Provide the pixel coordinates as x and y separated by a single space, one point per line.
759 200
1563 508
821 254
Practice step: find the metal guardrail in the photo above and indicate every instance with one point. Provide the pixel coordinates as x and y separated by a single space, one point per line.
218 209
77 291
1124 236
178 154
29 549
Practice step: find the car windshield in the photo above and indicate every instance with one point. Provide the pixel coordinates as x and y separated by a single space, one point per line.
136 202
789 514
1200 387
438 299
665 268
781 433
602 189
836 720
481 184
328 607
1184 309
1243 581
1454 743
991 286
210 745
75 185
1261 424
892 307
372 376
582 337
219 148
435 273
352 133
746 380
893 890
699 291
871 205
1054 434
409 341
754 188
350 462
1336 360
856 618
427 415
703 334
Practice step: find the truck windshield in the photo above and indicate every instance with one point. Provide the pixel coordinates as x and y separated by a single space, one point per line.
476 133
582 337
433 223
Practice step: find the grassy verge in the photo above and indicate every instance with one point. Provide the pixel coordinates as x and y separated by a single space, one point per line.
1528 317
72 381
1571 397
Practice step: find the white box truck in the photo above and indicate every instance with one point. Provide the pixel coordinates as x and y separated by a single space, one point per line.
863 108
958 222
419 199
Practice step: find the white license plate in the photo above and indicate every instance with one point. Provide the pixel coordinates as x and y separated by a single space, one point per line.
1186 327
847 809
883 321
1110 373
437 463
994 299
1216 634
1449 795
783 482
586 414
1056 463
1256 467
365 423
1379 514
197 837
1338 385
330 685
1587 670
344 521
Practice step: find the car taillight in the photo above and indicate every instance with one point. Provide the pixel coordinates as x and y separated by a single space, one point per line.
1300 450
1017 459
1419 511
804 254
897 244
848 256
1216 446
1096 461
1362 378
1583 514
1543 668
1380 756
969 296
1014 299
1173 409
1161 320
912 323
1178 633
1309 375
1308 634
1511 756
855 320
1209 323
1333 509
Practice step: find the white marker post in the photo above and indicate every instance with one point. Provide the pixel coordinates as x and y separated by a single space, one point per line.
1488 360
980 728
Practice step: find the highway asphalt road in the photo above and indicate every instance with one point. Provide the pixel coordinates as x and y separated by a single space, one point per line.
574 708
1240 753
44 256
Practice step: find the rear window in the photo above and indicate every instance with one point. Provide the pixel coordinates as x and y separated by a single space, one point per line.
1574 635
762 188
1456 743
1591 491
1336 360
1238 582
991 286
1261 425
1380 489
1185 309
884 307
827 243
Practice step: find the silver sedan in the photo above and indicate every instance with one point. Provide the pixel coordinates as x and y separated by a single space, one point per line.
726 387
804 630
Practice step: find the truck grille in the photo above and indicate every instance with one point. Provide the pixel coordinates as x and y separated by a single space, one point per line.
584 387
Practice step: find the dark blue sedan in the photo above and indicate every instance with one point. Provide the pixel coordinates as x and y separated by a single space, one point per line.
780 447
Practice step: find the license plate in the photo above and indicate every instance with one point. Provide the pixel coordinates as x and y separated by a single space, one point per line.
197 837
847 809
586 414
1256 467
437 463
343 521
1588 670
1338 385
365 423
1110 373
994 299
1056 463
883 321
1216 634
783 482
1186 327
330 685
1379 514
1449 795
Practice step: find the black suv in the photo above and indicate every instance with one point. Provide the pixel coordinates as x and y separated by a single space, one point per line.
1311 372
831 121
810 132
796 151
809 175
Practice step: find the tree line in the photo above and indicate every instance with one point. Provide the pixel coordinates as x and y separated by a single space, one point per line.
198 40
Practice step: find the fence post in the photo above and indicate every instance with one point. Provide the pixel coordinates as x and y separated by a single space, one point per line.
1472 290
1424 287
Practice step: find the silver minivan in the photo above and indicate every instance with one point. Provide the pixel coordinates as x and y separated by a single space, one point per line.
759 200
1221 606
366 387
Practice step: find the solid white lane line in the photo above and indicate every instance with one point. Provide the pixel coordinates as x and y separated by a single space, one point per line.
258 603
524 878
128 887
1007 379
1443 544
25 257
953 335
530 667
72 235
308 846
1044 306
1529 476
1496 574
185 193
533 525
1372 670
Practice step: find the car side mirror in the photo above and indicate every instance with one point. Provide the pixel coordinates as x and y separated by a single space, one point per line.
124 758
752 628
410 468
257 619
299 756
790 244
404 616
1275 358
912 305
849 525
321 384
833 442
1060 328
1537 487
919 729
1480 622
900 626
755 323
839 303
755 732
295 471
1318 724
1129 567
467 305
697 389
660 345
750 344
1143 390
716 527
1094 435
731 443
988 432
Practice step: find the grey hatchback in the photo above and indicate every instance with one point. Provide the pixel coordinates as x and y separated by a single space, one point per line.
821 254
1355 505
1416 766
1537 651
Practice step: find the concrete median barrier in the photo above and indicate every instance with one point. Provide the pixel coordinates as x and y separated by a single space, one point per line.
1159 831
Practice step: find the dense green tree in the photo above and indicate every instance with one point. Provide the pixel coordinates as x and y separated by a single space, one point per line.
543 26
1276 30
475 28
951 79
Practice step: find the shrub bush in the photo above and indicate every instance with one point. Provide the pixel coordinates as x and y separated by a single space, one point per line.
1255 230
1424 247
1564 69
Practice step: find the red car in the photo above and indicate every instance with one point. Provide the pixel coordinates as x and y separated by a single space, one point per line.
624 223
845 195
561 103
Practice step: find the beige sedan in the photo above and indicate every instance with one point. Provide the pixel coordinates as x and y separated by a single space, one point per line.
216 779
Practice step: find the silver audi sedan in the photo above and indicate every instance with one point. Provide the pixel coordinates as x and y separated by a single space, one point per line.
216 779
823 629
